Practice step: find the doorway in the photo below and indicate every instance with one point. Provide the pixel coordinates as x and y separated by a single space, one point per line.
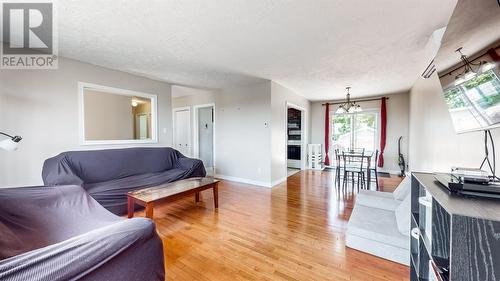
295 139
182 130
204 136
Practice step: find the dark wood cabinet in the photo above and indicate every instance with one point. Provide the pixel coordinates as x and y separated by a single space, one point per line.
453 238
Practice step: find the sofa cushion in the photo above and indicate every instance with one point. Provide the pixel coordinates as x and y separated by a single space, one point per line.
113 194
376 199
383 250
124 250
377 225
403 215
403 189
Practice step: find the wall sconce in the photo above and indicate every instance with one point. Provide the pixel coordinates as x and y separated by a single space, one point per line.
11 143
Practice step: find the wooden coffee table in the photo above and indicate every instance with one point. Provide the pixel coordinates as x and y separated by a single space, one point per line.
150 196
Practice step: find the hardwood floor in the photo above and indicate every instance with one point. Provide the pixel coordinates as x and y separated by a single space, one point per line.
295 231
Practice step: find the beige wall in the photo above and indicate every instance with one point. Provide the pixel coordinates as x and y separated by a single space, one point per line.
434 145
280 96
108 116
398 107
42 107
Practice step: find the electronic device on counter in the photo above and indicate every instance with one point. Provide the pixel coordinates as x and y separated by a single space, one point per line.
470 182
471 175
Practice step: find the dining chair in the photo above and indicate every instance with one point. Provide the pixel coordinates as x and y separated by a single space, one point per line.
338 166
351 168
374 168
358 150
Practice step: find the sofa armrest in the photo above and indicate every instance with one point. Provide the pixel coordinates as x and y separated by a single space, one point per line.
57 171
126 250
194 167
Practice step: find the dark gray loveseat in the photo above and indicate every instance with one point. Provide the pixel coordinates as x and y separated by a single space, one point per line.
107 175
61 233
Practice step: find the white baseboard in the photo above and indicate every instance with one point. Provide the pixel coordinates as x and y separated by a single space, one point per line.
243 180
392 172
276 182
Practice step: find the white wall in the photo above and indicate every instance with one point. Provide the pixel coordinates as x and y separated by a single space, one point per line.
250 129
242 139
243 133
280 96
434 145
196 98
397 125
42 107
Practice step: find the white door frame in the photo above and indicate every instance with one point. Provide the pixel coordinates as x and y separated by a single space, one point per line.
303 137
175 110
196 145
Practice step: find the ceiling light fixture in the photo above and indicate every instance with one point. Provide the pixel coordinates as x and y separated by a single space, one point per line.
134 103
471 70
349 106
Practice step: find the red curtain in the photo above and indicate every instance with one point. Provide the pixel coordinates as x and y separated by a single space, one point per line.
383 123
327 133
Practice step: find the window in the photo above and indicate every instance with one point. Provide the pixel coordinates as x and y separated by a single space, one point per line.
355 130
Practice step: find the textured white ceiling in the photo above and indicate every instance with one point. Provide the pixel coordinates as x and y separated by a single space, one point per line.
474 25
314 47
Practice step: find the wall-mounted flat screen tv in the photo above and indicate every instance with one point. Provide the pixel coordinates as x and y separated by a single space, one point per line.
474 103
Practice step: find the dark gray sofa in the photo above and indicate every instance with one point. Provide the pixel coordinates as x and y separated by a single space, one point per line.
107 175
61 233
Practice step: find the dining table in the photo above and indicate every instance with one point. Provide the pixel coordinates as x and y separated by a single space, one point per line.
362 156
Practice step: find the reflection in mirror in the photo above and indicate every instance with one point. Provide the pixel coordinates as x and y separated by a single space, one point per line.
116 116
468 66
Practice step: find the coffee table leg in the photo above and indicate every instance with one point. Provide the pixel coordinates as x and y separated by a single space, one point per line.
216 195
197 197
131 205
149 210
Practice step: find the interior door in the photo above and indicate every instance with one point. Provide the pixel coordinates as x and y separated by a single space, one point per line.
141 125
206 135
182 129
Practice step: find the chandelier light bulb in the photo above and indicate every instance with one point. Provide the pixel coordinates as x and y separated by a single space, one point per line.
459 80
470 75
487 66
340 110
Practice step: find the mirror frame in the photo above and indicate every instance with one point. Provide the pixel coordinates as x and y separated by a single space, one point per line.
82 86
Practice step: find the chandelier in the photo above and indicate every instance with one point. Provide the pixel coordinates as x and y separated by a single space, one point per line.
471 70
349 106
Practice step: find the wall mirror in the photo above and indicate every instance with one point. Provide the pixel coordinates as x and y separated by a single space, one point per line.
116 116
